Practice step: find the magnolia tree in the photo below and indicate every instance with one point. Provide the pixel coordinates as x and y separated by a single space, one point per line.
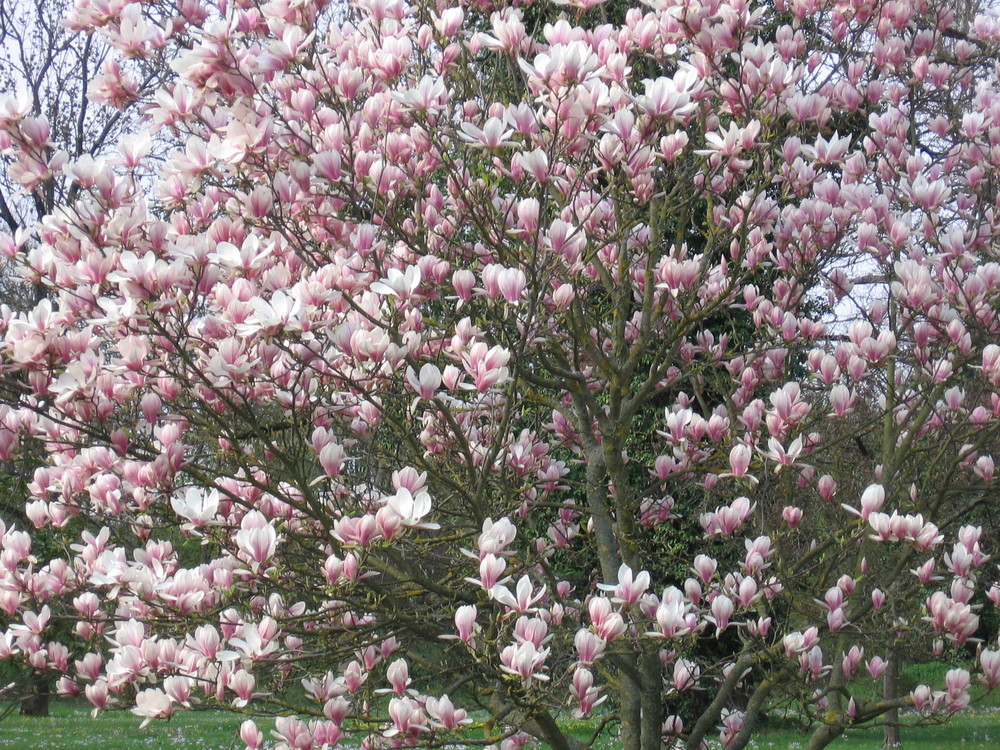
47 75
373 407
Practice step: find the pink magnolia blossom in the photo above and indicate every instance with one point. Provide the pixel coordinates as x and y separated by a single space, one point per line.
444 714
630 587
585 693
589 646
256 539
607 623
491 568
990 663
153 704
522 599
524 660
393 348
465 622
251 736
427 382
872 500
197 506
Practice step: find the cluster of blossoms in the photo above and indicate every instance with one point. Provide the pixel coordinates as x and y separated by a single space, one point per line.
434 326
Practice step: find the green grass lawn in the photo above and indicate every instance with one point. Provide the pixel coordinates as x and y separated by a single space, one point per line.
979 729
71 728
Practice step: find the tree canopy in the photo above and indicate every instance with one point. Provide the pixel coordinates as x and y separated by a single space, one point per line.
418 373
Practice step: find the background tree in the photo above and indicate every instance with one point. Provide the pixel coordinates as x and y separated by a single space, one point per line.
55 84
384 335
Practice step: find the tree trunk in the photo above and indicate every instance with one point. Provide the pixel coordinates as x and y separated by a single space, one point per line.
709 718
890 691
834 721
751 718
823 736
549 730
651 676
36 703
631 714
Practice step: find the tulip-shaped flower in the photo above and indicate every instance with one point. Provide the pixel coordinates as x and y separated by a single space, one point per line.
407 717
152 704
876 666
465 623
257 540
589 646
872 500
524 660
196 505
444 714
427 382
686 674
722 611
491 569
411 509
607 623
524 598
587 696
990 662
630 587
251 736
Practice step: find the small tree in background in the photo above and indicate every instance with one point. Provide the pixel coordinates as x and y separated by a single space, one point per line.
47 75
394 383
